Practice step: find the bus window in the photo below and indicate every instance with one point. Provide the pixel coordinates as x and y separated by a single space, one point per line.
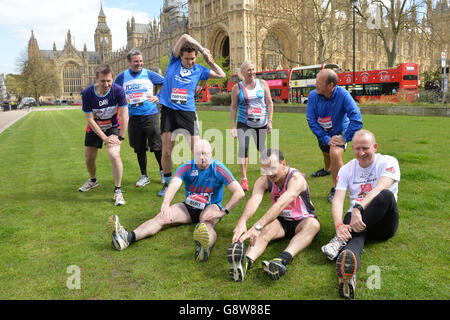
310 73
282 75
410 77
296 75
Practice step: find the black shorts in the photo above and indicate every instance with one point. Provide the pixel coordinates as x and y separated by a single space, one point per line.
194 213
289 226
326 148
91 139
172 120
144 133
244 132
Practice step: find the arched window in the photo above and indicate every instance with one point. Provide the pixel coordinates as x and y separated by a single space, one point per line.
273 52
71 78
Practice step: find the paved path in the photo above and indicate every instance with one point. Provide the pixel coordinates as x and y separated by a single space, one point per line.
8 118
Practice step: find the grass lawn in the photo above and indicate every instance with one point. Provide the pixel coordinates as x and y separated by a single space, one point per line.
46 225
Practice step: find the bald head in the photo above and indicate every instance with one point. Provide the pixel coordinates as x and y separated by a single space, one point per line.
326 81
202 154
363 134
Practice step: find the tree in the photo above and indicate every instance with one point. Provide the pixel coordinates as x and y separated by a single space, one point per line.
389 20
318 24
38 76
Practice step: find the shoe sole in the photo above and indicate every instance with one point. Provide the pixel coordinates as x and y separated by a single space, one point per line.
273 270
346 265
111 227
235 255
201 238
95 186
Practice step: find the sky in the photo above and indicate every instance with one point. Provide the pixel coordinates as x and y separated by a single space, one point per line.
51 19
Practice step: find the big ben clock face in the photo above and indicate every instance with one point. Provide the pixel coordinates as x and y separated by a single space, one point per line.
106 40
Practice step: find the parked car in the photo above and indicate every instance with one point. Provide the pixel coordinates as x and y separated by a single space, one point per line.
27 102
77 103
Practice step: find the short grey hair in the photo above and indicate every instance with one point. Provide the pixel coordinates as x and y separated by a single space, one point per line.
133 52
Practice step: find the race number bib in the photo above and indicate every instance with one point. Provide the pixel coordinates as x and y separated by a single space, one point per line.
179 96
196 201
326 123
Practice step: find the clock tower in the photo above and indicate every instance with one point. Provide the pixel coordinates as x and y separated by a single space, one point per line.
102 36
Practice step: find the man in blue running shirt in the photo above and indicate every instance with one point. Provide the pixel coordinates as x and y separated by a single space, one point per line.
204 179
333 117
178 112
143 128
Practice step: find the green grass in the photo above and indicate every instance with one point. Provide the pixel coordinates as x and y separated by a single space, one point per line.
46 225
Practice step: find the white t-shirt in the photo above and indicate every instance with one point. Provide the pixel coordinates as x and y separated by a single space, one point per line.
360 181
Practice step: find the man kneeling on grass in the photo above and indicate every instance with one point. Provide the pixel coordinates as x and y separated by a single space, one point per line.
292 215
204 178
372 180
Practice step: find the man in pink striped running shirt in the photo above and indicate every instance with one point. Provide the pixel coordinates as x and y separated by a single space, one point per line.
292 215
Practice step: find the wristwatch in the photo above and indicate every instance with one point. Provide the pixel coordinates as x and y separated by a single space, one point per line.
224 209
358 206
258 227
120 138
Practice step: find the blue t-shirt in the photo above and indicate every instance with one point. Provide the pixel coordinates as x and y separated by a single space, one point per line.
137 86
335 116
178 91
104 107
204 186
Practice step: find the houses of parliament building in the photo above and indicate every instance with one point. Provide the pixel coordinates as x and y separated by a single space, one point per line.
274 34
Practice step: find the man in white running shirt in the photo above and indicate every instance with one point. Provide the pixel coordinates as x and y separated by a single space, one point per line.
372 181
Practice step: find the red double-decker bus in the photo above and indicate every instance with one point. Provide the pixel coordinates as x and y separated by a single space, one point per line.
391 83
277 80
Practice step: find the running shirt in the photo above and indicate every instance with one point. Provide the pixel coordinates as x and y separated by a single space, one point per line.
252 109
335 116
204 187
301 208
138 86
104 107
178 91
360 181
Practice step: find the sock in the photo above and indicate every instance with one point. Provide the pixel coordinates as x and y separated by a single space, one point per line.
167 177
117 189
131 237
285 257
93 179
142 160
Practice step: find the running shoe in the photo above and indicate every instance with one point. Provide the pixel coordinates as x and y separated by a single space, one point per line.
143 181
274 268
119 234
332 249
346 265
331 195
163 190
236 258
244 184
118 198
201 238
320 173
88 185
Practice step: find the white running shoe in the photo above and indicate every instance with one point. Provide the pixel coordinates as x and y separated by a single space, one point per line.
143 181
118 198
332 249
119 234
88 185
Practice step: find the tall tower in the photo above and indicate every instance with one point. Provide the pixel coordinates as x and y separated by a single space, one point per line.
102 36
33 48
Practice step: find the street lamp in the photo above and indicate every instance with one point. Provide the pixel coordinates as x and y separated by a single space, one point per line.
353 3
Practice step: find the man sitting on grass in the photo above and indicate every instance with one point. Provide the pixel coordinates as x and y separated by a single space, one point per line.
372 180
204 178
292 215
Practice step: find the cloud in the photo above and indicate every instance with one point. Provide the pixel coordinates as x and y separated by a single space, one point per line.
51 19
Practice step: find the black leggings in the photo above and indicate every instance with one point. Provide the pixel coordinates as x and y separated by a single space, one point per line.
381 220
259 137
